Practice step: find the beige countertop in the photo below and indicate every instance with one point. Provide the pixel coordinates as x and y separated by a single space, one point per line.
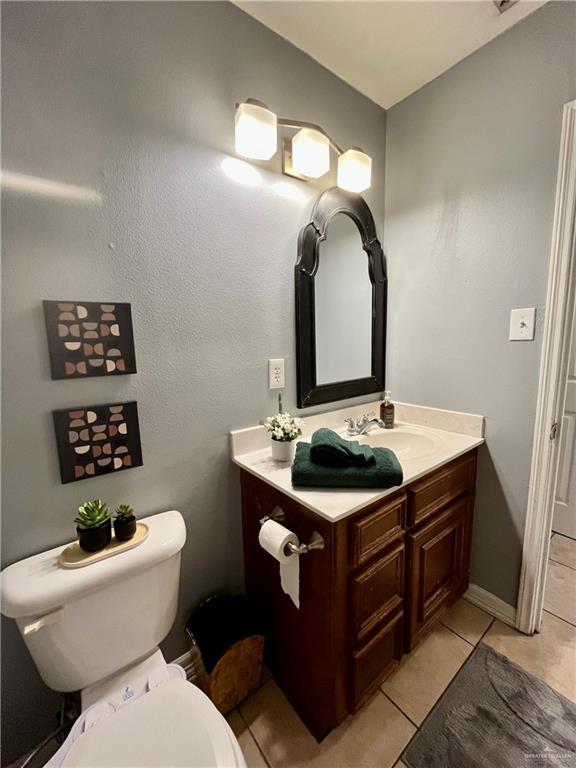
423 440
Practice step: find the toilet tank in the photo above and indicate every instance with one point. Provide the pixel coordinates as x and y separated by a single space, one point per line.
82 625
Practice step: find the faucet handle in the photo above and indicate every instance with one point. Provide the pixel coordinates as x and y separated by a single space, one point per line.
352 425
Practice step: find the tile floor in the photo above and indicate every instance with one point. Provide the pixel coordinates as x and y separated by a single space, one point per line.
560 595
271 733
563 550
550 655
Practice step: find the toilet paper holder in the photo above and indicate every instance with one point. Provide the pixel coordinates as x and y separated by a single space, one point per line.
316 542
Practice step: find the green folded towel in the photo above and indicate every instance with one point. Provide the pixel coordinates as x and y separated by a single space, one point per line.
331 450
386 471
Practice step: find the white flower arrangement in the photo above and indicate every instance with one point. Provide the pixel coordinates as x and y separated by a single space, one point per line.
282 426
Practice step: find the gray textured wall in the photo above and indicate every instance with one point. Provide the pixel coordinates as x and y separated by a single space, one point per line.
136 100
471 171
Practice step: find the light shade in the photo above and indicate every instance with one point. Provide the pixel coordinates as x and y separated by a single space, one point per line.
256 131
311 153
354 170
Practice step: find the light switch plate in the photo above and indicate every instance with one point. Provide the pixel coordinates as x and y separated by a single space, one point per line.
276 373
522 322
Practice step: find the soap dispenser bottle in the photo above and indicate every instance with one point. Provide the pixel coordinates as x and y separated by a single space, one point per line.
387 411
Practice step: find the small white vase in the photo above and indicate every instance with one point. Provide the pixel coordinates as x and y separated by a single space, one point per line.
283 450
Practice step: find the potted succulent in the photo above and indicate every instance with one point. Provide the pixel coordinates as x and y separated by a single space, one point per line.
283 429
124 522
93 525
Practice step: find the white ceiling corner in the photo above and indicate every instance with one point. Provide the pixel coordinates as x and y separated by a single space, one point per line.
387 49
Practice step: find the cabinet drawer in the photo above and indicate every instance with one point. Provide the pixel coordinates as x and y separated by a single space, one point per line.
430 494
371 533
438 556
377 591
375 661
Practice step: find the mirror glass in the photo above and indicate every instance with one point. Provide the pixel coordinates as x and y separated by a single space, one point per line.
343 305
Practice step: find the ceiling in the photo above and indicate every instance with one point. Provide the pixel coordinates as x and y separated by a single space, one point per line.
388 49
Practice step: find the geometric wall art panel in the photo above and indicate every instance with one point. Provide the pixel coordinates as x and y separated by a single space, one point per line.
97 440
89 338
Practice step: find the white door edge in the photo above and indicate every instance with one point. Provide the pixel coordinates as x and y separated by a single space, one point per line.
552 384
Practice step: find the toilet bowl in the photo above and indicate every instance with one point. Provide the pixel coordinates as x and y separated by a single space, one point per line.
173 724
97 630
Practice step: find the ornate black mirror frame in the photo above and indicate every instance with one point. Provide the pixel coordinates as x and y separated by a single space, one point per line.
327 205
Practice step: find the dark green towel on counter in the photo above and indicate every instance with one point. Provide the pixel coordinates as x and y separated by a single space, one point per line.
331 450
386 471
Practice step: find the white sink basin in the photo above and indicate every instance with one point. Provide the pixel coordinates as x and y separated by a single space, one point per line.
406 442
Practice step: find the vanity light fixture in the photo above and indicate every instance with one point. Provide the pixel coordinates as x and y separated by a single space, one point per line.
311 153
307 155
354 170
256 130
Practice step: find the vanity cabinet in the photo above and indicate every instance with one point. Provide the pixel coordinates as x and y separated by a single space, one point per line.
385 576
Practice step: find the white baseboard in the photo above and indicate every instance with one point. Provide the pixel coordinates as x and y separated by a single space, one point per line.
491 604
184 660
191 663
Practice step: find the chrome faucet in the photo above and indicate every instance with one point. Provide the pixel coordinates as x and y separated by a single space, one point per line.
363 425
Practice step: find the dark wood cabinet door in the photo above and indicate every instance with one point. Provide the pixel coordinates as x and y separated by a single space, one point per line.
377 591
374 661
438 561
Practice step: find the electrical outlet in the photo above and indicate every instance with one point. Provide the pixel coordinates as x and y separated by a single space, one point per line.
276 373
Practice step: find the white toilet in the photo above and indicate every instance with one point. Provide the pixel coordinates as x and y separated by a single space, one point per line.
97 629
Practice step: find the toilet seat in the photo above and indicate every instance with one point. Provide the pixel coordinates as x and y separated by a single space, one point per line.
173 724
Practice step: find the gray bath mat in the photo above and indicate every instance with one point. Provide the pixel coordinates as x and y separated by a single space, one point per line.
496 715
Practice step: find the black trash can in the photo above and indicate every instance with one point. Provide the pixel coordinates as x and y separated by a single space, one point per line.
229 633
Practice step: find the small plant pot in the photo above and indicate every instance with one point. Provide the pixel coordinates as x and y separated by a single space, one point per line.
125 527
94 539
283 450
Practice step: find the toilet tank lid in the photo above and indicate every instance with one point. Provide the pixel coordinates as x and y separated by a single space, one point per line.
39 584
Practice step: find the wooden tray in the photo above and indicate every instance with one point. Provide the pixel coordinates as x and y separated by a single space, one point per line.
74 557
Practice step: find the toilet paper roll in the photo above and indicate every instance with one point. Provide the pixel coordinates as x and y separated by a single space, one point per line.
273 539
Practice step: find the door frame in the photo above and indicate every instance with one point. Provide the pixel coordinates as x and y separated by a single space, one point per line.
552 384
